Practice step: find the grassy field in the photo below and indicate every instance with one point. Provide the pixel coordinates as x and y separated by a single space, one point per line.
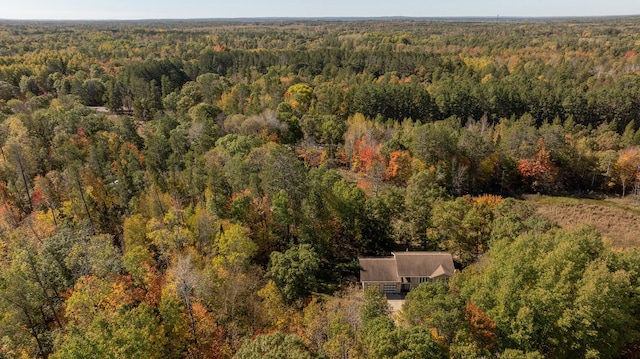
618 219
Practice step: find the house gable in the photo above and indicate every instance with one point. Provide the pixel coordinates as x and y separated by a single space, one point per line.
424 264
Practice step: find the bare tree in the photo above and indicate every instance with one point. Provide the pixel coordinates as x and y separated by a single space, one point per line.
186 281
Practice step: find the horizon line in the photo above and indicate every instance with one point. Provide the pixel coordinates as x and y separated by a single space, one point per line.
330 18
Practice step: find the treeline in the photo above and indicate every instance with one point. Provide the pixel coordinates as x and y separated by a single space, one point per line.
585 71
217 205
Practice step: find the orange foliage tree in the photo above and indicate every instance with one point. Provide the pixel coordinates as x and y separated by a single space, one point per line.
367 160
540 172
399 169
483 329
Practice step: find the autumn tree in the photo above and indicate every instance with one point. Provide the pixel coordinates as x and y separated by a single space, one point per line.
540 172
627 168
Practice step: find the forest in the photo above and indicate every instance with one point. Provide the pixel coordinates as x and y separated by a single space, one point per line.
203 189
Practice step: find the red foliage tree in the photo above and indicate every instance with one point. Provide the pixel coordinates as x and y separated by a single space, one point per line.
365 154
540 172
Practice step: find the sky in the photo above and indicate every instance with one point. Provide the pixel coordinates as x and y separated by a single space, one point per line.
185 9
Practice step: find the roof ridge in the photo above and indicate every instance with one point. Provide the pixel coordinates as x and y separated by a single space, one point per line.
420 252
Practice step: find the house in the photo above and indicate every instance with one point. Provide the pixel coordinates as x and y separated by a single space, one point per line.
404 271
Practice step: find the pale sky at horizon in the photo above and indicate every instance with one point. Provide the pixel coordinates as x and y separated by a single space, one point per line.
185 9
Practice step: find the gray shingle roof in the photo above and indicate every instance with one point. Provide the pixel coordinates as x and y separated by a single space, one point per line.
423 264
406 264
378 270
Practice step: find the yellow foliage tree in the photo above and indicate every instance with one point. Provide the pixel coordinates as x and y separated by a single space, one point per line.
626 167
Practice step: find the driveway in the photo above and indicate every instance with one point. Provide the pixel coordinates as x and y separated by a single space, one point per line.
395 302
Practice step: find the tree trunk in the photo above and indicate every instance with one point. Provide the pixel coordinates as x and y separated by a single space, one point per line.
25 182
84 202
44 290
34 333
187 300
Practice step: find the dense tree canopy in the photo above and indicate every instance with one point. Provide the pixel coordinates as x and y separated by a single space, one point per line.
203 189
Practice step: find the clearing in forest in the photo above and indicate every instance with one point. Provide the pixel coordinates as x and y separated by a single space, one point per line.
618 219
